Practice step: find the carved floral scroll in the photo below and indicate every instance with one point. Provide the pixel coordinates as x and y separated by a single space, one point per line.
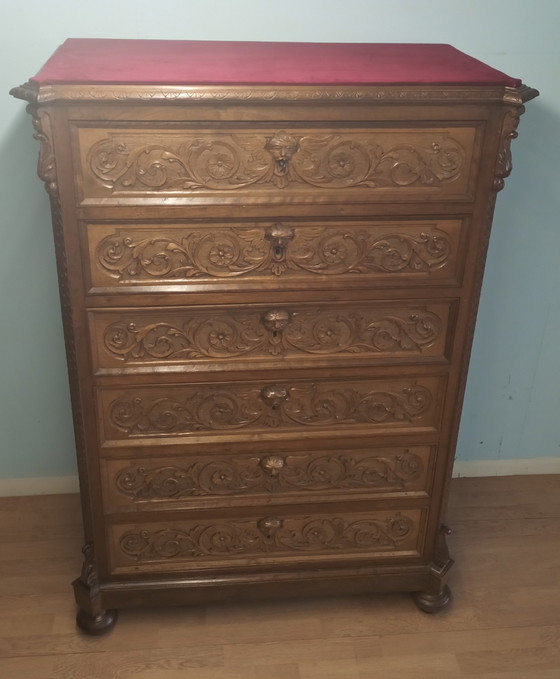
276 250
269 536
220 335
274 473
217 161
231 407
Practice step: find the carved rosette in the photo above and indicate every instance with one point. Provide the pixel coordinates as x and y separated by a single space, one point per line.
239 407
269 474
267 536
225 162
276 250
277 332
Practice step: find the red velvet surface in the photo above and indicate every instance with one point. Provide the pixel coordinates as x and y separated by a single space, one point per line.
252 63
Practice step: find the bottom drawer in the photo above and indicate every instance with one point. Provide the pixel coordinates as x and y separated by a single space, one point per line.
271 539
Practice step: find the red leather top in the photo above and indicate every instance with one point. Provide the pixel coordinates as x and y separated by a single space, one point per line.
252 63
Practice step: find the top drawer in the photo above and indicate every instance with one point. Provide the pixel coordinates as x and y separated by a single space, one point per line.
265 165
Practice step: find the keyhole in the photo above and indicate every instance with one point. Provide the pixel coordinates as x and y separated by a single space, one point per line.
279 250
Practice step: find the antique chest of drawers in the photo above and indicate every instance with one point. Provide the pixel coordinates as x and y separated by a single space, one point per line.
270 258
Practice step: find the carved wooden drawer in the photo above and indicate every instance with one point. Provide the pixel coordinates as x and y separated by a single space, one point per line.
268 254
261 337
234 411
271 165
269 293
272 538
197 480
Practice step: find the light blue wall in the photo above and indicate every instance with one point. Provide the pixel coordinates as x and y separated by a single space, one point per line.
513 393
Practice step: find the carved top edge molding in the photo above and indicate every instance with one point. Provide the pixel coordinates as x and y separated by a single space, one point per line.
214 93
520 95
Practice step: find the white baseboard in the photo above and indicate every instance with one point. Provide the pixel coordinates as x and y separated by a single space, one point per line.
59 485
537 465
42 485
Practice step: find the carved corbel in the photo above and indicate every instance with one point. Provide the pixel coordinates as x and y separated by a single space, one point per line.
509 133
514 97
46 168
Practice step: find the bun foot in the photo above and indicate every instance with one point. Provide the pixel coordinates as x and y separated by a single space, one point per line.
432 603
96 624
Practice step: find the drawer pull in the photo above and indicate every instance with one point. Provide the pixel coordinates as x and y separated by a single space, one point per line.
273 464
270 525
274 395
276 320
279 235
282 147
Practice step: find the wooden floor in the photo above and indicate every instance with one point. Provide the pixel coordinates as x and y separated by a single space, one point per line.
504 622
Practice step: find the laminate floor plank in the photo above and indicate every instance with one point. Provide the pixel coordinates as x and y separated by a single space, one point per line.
306 651
439 666
422 644
504 622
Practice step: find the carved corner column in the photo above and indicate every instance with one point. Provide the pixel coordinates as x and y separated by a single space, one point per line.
91 617
438 596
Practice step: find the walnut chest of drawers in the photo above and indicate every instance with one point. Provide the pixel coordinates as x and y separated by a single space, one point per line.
270 258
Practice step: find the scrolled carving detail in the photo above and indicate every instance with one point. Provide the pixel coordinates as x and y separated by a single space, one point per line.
225 162
267 536
221 338
314 472
278 332
223 409
278 250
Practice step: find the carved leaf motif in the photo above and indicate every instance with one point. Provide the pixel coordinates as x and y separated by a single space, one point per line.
267 536
225 162
220 338
314 405
239 476
239 251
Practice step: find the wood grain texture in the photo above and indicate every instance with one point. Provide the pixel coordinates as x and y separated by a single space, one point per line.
497 628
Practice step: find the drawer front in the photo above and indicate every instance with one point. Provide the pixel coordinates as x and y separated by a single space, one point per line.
196 480
280 336
269 255
325 407
272 538
272 166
